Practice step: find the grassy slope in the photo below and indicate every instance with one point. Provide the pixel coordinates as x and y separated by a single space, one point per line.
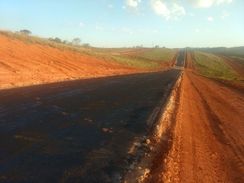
159 54
213 66
231 52
147 59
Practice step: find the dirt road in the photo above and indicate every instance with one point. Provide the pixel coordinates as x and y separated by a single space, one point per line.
78 130
208 139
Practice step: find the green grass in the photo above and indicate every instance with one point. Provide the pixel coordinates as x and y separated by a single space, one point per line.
135 62
213 66
158 54
233 51
145 58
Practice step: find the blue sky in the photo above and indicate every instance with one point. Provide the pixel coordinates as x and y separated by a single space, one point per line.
118 23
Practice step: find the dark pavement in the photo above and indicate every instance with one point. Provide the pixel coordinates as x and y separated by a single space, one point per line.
180 62
76 131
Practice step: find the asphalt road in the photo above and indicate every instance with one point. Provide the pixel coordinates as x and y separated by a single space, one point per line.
76 131
180 62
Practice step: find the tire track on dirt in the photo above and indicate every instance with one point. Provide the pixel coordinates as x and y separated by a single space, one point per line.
231 142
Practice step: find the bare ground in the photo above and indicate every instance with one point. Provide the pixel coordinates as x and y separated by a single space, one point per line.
23 64
208 140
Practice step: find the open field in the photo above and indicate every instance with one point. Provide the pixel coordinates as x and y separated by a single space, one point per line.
213 66
151 58
236 63
230 52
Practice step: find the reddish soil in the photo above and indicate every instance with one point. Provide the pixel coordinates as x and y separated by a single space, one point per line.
27 64
236 64
208 138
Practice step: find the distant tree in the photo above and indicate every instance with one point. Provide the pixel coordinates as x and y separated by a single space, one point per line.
86 45
76 41
139 46
156 46
65 42
25 31
57 40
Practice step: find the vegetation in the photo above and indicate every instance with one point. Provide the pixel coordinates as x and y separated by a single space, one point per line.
135 62
140 58
57 40
213 66
150 58
158 54
76 41
25 31
234 51
52 42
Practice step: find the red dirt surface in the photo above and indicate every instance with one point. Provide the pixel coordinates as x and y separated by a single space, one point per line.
27 64
208 139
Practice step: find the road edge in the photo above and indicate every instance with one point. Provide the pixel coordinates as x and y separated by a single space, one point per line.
159 141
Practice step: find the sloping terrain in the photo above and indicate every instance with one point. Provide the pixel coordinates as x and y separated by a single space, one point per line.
27 60
143 58
23 63
213 66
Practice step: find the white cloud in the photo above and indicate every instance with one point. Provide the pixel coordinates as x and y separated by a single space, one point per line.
173 10
160 8
208 3
132 3
210 19
177 10
225 14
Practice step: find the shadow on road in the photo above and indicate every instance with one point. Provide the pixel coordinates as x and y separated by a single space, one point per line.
76 130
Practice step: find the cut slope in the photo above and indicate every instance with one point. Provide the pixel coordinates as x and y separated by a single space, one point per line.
27 60
24 63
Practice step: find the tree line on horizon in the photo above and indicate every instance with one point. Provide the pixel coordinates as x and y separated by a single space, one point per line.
76 41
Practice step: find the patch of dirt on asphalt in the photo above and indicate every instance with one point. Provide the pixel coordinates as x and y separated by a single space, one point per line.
24 64
208 139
